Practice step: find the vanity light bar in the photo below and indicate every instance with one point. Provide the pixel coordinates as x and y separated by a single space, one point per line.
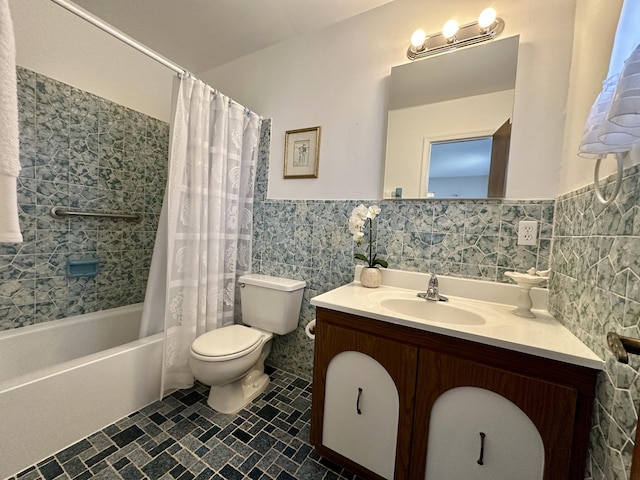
467 34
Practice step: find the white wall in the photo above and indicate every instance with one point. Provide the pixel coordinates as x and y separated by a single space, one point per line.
408 127
591 53
58 44
337 78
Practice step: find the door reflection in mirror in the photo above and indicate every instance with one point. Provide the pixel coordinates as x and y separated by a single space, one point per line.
459 168
472 166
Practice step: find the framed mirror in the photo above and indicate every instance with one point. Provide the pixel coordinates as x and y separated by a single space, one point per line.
449 123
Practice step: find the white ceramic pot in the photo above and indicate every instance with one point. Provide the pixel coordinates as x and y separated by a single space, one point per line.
370 277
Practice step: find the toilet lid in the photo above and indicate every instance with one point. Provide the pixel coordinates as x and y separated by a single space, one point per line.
226 341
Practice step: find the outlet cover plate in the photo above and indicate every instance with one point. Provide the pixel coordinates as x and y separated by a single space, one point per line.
527 232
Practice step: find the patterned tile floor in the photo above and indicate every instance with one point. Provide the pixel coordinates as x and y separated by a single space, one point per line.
182 438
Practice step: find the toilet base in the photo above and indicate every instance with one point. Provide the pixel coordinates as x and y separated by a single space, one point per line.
234 396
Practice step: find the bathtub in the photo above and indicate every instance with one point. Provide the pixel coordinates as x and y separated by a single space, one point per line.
63 380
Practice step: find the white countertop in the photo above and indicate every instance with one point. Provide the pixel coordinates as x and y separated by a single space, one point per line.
542 336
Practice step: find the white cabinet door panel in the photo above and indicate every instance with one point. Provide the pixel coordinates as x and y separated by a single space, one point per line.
361 412
513 448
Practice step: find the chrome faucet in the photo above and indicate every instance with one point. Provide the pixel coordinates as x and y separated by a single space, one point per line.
432 294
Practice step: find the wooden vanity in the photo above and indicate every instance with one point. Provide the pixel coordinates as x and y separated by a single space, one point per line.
357 413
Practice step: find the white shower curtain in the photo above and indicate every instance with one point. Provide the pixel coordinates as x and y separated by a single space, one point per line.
204 237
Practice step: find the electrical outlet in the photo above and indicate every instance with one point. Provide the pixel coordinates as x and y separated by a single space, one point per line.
527 232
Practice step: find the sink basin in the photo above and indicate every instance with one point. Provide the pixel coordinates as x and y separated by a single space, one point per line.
421 309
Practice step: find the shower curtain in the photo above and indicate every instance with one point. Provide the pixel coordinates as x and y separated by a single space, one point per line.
204 237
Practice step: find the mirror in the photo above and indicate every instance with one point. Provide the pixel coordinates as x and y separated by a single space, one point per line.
440 109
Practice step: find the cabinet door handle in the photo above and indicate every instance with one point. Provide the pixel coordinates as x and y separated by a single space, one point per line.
480 460
358 411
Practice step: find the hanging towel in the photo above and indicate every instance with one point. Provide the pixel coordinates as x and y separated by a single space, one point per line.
9 144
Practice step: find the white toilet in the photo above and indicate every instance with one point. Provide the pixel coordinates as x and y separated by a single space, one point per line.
231 359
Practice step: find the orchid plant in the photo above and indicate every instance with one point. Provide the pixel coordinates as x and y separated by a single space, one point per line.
361 218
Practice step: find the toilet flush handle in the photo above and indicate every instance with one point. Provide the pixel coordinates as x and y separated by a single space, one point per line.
241 285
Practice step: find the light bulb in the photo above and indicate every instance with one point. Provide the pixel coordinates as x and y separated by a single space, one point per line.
450 29
486 18
417 38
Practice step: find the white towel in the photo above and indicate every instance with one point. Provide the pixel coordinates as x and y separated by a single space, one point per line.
9 226
9 143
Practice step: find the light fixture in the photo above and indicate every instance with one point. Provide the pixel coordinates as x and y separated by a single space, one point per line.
418 38
486 19
487 27
449 30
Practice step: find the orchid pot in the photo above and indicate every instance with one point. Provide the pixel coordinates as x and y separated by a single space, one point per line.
362 217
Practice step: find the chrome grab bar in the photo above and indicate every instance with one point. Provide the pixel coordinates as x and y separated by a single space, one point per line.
61 212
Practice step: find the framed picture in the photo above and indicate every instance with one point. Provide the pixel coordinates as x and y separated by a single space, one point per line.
301 153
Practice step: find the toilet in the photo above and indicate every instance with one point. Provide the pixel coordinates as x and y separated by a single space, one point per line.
231 359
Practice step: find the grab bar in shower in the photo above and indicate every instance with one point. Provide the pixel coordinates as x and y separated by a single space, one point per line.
61 212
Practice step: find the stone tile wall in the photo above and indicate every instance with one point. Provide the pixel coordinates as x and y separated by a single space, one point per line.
82 152
594 289
309 240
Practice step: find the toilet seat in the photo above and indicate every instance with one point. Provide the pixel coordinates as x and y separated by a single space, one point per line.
227 343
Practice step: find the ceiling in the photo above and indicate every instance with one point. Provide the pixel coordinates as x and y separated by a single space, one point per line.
203 34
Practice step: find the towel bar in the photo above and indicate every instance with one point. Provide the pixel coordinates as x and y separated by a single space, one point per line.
623 346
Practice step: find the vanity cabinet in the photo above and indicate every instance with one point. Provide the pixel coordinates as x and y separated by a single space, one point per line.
524 405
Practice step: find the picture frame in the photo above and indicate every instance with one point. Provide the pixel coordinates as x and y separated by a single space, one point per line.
302 153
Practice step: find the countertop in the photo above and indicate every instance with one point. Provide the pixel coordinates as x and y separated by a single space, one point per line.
542 336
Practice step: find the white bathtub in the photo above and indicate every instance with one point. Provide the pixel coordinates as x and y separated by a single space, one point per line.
63 380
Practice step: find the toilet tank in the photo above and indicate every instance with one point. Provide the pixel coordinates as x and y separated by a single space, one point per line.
271 303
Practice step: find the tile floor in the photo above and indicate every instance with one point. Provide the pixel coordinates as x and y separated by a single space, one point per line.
182 438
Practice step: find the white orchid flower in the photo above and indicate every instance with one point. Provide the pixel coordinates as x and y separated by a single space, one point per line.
355 224
373 211
360 211
360 217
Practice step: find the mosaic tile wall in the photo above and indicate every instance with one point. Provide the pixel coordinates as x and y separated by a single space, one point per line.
595 288
81 152
309 240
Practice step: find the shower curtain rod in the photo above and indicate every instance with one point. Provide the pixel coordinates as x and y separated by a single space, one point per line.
114 32
105 27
